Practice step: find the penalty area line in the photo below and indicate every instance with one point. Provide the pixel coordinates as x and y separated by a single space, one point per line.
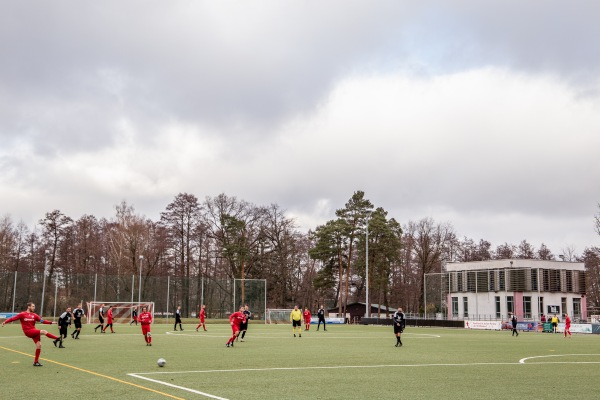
178 387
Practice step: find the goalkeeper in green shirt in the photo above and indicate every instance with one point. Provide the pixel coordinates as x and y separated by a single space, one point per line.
296 318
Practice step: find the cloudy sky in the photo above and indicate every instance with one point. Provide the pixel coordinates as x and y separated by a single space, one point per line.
485 116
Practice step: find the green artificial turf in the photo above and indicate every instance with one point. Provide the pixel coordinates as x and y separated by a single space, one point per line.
345 362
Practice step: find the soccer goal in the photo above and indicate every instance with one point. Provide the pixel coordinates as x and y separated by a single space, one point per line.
278 315
122 311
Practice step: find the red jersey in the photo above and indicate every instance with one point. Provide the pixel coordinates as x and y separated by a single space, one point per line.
202 314
568 322
28 320
237 318
109 316
307 316
145 318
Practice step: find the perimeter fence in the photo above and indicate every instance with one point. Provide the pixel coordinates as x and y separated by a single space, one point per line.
53 295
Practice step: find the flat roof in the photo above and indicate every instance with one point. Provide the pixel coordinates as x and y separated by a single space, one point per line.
515 264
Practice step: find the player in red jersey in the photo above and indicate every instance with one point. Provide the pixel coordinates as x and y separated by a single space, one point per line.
202 317
145 319
28 319
109 320
567 325
236 319
306 318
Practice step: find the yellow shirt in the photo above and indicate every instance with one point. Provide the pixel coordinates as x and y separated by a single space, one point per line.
296 315
555 320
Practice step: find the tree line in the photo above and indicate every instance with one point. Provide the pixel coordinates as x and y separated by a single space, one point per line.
224 237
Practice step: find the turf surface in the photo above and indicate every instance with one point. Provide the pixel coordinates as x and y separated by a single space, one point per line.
345 362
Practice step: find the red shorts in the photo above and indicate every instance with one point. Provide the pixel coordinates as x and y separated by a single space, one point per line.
145 329
235 328
201 320
33 334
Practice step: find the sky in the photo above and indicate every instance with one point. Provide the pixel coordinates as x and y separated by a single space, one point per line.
484 115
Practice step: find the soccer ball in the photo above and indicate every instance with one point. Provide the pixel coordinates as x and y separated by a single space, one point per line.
161 362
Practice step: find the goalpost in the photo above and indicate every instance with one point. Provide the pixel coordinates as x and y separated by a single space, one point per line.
278 316
122 311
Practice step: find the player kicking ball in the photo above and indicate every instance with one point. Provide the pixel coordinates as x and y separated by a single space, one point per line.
28 319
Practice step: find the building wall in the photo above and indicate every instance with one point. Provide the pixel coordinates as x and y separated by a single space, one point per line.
477 297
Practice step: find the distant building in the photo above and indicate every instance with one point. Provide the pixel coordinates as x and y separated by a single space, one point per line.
493 289
355 311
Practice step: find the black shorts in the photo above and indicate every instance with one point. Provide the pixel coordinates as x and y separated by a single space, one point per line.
101 319
63 329
296 323
77 324
244 327
398 328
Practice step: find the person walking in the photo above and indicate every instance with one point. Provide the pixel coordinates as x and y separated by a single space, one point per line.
78 313
145 321
202 317
109 320
64 322
101 319
567 326
28 319
399 321
178 318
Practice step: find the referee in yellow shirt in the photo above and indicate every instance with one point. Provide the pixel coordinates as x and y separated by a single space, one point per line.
296 318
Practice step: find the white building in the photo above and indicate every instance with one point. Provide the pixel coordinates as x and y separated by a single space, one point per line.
488 290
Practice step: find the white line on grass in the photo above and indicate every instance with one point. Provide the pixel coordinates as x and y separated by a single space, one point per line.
262 336
522 360
178 387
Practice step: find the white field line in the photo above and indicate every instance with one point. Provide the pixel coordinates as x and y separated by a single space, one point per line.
257 335
178 387
522 360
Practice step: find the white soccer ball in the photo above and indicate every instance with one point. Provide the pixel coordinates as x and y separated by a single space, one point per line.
161 362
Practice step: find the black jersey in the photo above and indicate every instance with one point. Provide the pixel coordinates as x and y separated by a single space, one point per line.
321 314
64 319
78 313
399 319
248 315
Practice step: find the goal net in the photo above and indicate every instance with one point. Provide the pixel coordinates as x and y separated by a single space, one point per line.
278 315
122 311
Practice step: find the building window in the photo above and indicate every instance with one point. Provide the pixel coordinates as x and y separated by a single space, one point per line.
563 305
569 279
526 306
501 281
534 279
466 307
459 279
509 304
498 315
455 307
492 281
577 308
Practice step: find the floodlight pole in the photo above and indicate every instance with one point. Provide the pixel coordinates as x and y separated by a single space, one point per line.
47 253
367 305
140 285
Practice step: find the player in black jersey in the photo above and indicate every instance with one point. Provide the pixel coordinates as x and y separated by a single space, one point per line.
399 325
101 319
77 315
244 325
